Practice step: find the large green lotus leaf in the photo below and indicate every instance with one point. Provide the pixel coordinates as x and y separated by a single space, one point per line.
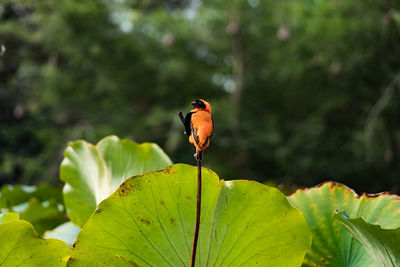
21 246
92 173
149 221
66 232
382 244
332 243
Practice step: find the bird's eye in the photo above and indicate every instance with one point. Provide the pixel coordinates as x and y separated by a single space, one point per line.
200 104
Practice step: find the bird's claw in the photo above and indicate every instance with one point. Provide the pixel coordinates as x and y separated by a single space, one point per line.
198 156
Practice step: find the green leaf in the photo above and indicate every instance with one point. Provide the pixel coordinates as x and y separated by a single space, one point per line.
332 244
21 246
382 244
149 221
66 232
8 217
92 173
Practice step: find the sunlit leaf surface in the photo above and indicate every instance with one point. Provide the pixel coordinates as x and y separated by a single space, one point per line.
21 246
93 172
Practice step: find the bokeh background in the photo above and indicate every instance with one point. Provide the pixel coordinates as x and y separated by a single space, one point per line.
302 91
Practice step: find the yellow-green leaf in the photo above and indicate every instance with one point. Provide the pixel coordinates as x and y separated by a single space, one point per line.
8 217
21 246
149 221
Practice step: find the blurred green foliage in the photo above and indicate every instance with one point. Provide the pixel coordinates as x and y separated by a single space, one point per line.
301 91
41 205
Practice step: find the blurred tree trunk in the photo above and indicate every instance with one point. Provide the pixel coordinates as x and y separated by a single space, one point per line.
238 64
238 72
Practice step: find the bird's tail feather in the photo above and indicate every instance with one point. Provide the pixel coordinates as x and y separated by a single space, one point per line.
182 118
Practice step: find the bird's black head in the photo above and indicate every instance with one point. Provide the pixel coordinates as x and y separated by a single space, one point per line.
199 104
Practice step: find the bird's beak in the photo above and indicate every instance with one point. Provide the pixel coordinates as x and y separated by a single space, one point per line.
194 103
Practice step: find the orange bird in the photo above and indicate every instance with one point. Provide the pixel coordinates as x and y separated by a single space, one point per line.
199 126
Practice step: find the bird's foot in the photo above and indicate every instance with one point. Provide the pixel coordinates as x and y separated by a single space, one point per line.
198 155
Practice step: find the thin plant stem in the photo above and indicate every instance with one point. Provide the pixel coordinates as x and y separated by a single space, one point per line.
197 226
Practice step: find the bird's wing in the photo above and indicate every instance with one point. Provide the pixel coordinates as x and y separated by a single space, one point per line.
187 123
194 133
